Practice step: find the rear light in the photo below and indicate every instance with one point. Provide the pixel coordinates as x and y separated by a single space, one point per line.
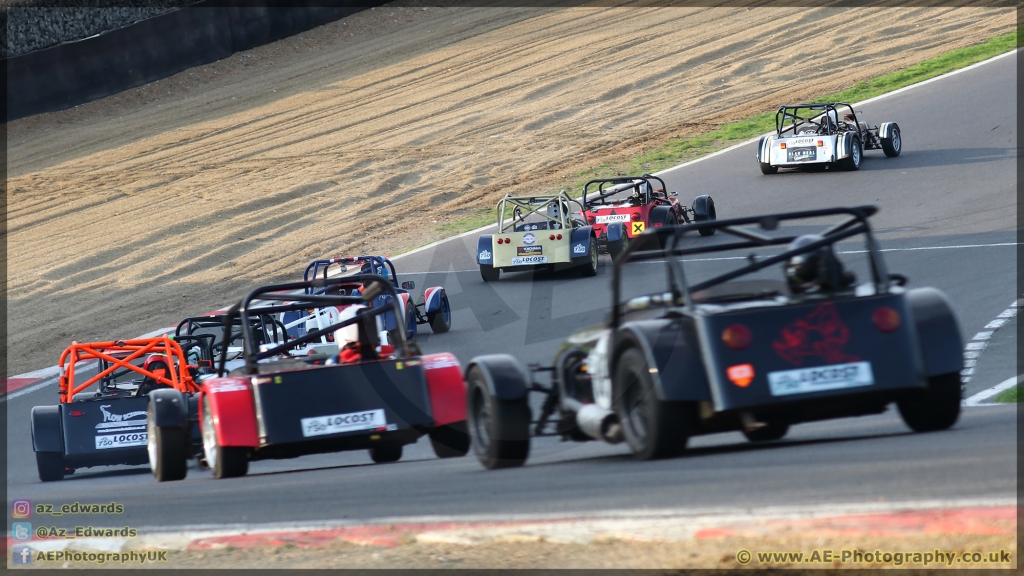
820 143
77 413
634 216
508 241
500 241
551 237
591 219
559 236
782 145
886 319
741 374
736 336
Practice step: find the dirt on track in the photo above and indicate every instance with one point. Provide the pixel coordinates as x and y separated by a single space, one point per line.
367 134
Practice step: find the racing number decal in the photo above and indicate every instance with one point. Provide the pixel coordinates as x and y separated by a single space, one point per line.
636 229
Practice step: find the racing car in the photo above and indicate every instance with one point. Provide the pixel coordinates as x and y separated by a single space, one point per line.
433 310
811 135
633 204
283 402
107 425
748 348
538 232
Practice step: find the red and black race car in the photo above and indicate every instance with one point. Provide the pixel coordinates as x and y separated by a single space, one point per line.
363 395
622 208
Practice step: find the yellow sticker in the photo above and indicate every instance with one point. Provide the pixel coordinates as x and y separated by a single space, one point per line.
637 228
277 379
399 365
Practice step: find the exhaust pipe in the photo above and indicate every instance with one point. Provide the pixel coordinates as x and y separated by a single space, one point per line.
599 423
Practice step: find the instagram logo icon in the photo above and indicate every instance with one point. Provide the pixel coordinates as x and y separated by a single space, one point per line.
21 509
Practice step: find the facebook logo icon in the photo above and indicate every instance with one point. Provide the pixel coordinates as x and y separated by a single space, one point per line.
21 554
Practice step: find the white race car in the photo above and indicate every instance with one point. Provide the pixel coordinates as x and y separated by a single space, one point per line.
812 135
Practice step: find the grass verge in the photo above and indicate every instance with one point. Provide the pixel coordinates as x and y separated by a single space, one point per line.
1010 396
682 150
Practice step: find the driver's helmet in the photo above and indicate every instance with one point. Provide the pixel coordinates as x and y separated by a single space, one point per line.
368 266
348 334
817 269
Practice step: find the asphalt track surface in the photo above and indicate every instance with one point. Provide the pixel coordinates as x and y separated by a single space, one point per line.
948 217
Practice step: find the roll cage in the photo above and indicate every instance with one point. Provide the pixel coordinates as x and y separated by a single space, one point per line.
642 184
253 352
792 114
513 210
116 359
378 264
663 243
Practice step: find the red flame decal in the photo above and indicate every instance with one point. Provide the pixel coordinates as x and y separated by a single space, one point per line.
821 333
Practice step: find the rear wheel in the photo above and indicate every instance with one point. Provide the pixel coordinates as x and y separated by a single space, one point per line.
450 441
50 466
893 145
852 162
768 432
767 168
653 428
500 429
384 453
441 320
225 461
168 457
936 408
489 273
590 268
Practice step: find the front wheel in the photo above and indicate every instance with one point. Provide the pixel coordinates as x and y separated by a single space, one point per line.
936 408
167 450
489 273
653 428
767 168
893 145
617 247
852 162
500 429
441 319
50 466
590 268
225 461
450 441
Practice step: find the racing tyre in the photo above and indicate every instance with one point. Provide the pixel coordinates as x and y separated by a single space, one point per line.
893 145
653 428
450 441
767 433
937 408
711 216
385 453
590 268
852 162
441 320
225 461
767 168
50 466
489 273
500 429
168 458
617 247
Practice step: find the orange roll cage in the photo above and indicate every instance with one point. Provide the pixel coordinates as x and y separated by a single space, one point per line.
177 375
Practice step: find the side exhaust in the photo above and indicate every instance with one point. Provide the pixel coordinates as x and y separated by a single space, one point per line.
599 423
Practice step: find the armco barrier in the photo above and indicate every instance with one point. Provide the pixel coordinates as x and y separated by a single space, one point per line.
70 74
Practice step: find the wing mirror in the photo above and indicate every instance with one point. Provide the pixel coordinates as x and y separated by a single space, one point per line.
408 285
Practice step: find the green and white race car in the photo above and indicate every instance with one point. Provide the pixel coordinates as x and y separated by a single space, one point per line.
538 232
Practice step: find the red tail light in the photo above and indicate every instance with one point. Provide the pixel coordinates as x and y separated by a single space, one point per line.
551 237
634 216
782 145
886 319
77 413
507 241
500 241
591 219
820 143
559 236
737 336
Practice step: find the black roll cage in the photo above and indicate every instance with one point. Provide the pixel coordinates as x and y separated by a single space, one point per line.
663 243
376 263
374 286
637 181
788 112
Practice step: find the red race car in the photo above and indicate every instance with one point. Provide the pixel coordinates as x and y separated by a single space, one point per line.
622 208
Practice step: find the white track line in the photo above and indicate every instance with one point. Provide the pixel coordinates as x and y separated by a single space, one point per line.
980 398
977 345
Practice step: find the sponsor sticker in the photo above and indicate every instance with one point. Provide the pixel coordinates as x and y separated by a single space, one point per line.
529 238
524 260
637 228
833 377
604 219
321 425
579 249
485 255
801 154
529 250
802 141
121 440
230 386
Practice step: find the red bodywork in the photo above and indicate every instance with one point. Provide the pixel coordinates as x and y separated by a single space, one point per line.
446 387
234 411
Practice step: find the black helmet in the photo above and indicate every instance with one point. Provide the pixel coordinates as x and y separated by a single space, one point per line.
817 269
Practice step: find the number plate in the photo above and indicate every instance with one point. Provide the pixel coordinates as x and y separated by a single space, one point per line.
802 154
524 260
834 377
320 425
120 440
612 218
